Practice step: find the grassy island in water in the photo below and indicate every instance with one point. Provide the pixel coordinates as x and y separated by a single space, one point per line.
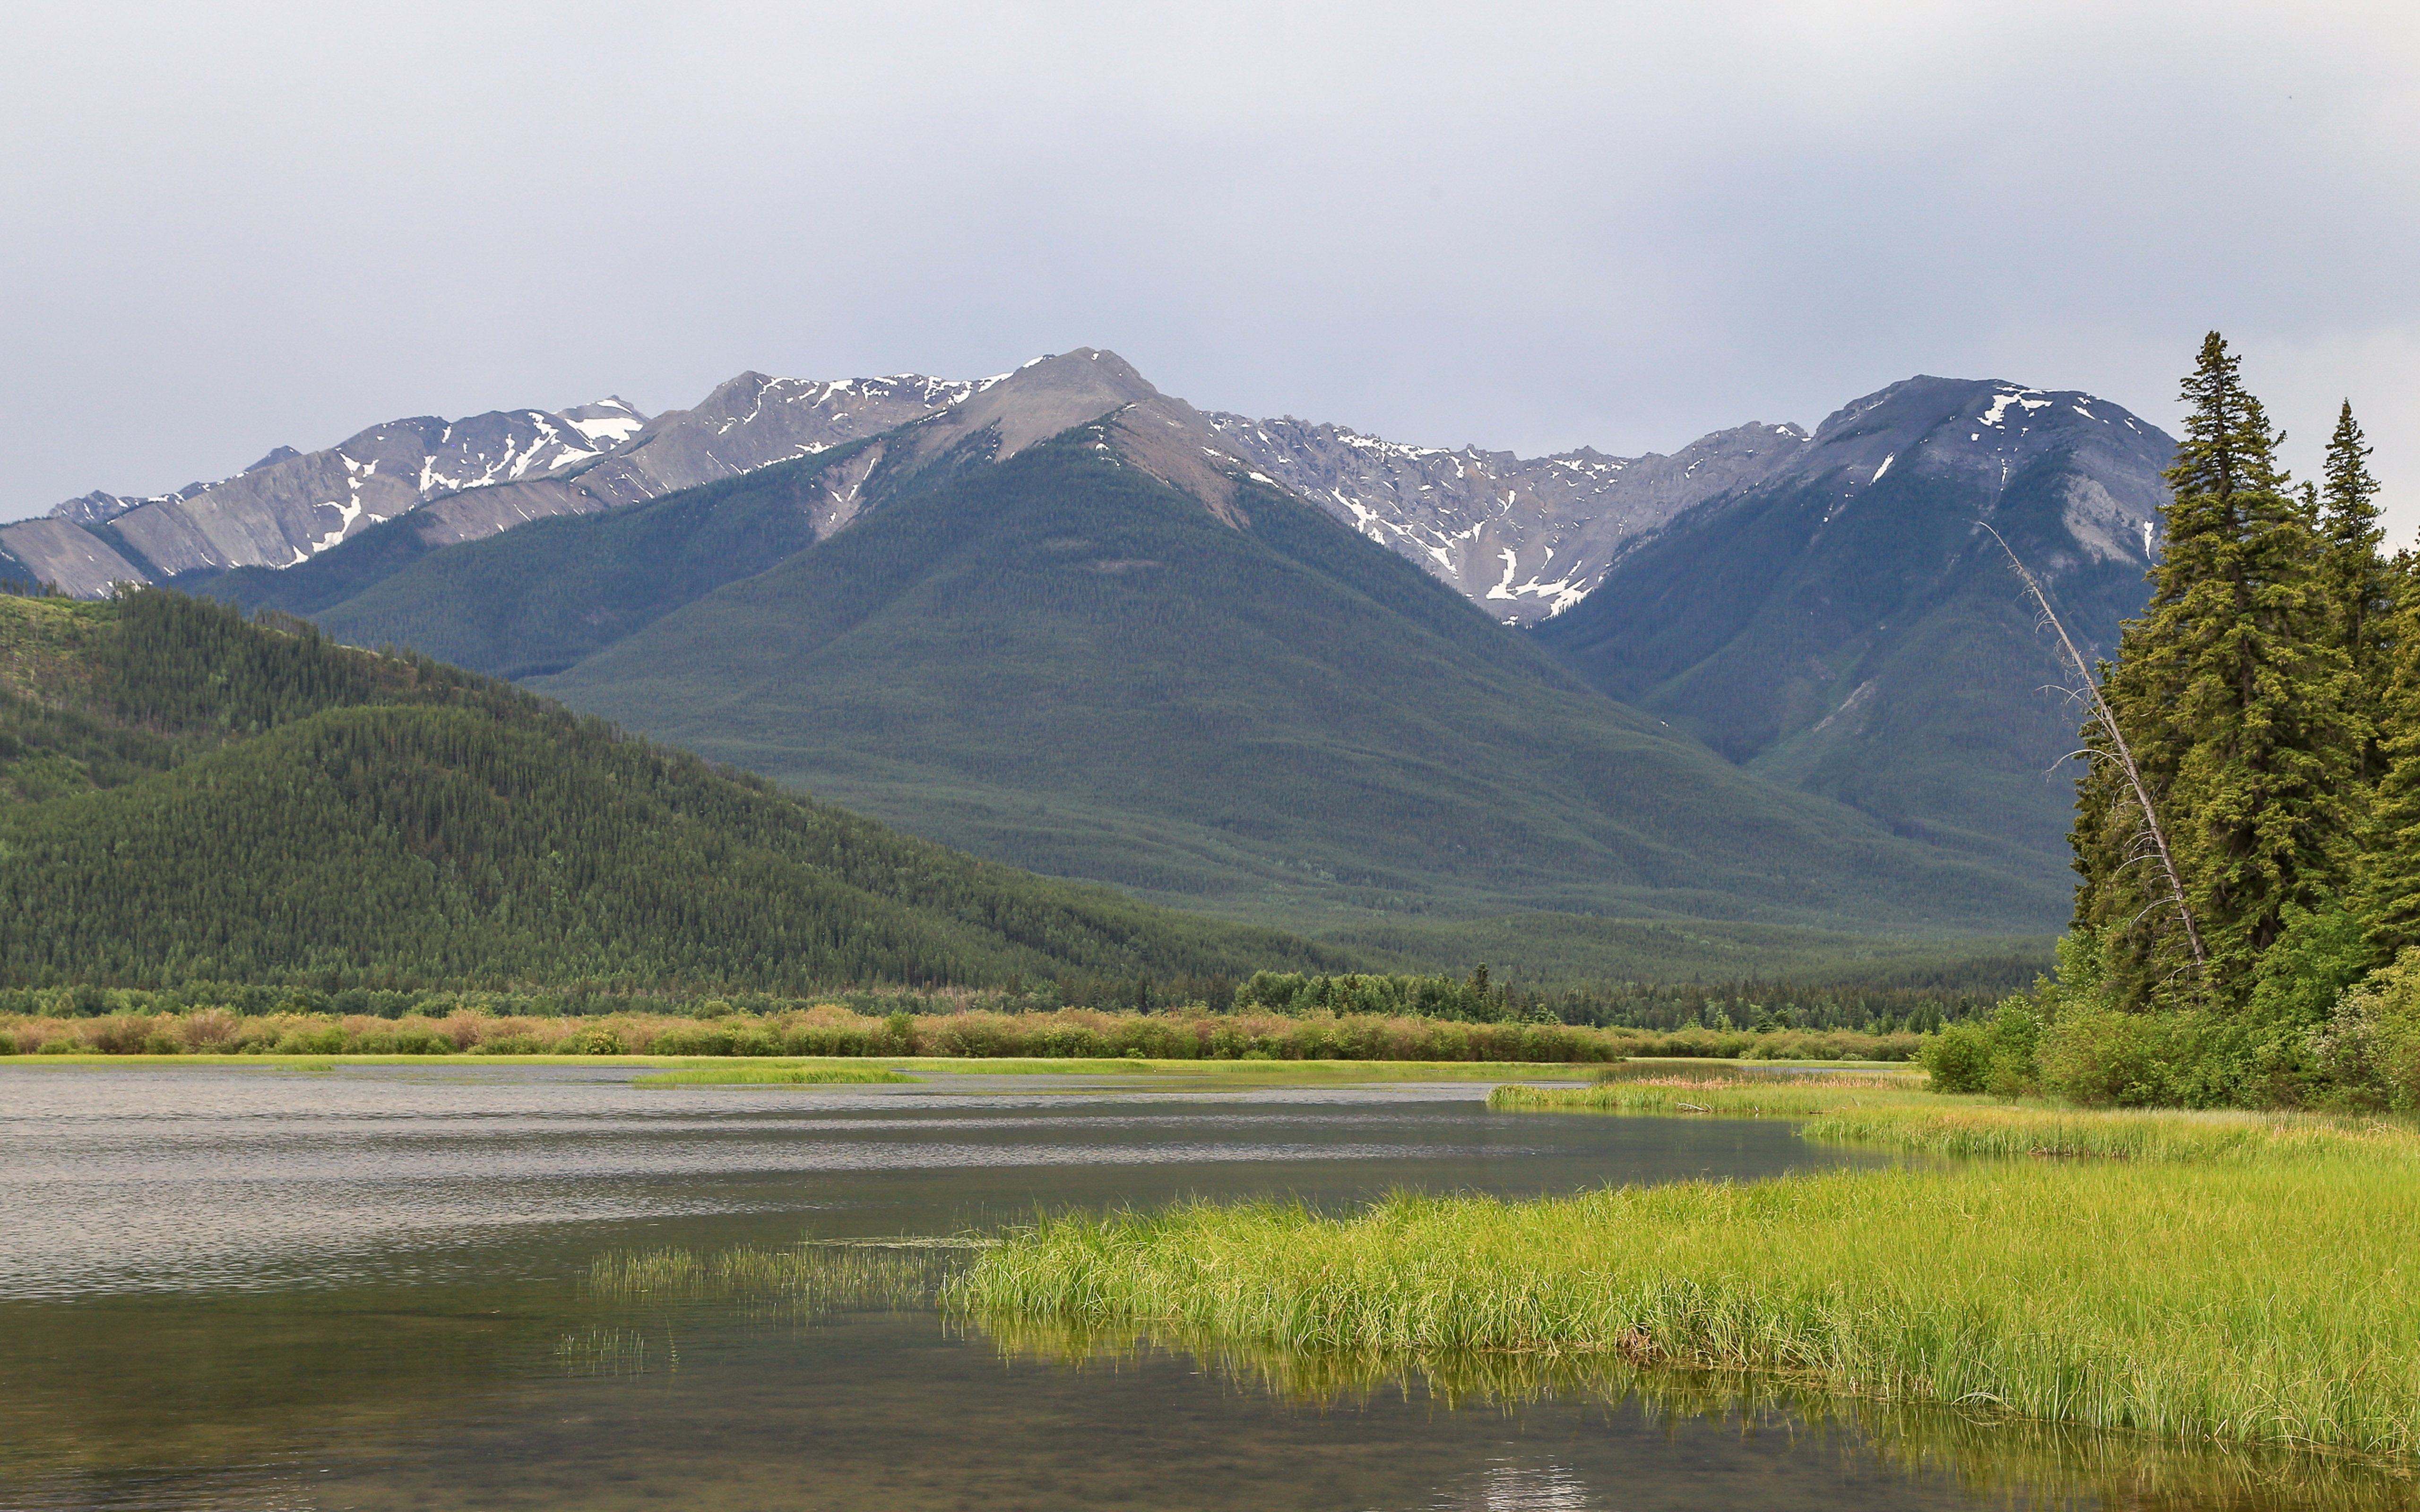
2239 1277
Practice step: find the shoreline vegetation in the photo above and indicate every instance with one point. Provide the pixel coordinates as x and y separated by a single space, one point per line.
831 1029
2127 1270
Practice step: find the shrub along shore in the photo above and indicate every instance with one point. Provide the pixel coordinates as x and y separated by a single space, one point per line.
2157 1292
836 1029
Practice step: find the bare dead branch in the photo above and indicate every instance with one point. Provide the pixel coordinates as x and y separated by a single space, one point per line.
2121 751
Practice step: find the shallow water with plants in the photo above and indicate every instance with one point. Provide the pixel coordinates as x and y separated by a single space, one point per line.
516 1285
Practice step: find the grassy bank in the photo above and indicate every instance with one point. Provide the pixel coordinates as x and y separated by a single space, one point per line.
2238 1279
1873 1112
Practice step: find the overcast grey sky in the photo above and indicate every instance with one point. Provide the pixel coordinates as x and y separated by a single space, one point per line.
237 225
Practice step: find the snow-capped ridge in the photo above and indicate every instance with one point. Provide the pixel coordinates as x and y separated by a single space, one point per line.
1525 538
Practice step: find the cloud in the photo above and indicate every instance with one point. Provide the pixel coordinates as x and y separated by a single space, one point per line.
1523 226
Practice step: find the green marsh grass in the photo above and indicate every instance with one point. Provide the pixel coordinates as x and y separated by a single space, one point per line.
2237 1279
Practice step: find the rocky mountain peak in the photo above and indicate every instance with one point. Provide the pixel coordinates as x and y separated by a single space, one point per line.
1988 433
1045 397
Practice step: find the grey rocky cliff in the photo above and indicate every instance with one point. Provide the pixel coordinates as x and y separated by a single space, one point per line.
290 506
1524 538
68 557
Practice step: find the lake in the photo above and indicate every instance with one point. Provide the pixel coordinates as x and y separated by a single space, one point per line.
378 1287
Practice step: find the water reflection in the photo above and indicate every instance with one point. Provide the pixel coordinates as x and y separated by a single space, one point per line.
1985 1454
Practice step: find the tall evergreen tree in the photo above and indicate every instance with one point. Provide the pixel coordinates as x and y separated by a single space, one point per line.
2359 583
2389 895
2231 691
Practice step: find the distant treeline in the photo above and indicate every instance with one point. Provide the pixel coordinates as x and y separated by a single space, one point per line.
1756 1006
1748 1008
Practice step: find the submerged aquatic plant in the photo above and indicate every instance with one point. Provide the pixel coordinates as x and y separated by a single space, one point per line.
603 1352
827 1276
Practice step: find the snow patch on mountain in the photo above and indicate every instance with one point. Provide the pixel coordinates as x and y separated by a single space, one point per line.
1525 538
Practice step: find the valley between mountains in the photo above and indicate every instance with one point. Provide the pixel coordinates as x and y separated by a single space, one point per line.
1776 689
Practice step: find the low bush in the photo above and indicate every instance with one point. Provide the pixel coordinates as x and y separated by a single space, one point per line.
209 1029
2370 1047
1998 1055
327 1041
2106 1057
509 1044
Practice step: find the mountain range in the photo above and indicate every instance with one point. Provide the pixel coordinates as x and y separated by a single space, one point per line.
1061 619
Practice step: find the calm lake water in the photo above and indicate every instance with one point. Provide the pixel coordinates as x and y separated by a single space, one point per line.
255 1288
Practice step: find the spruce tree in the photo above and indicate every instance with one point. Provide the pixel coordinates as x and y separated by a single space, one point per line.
2390 851
2231 692
2359 583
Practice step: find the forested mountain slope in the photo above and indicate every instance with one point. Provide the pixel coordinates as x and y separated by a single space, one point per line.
1061 661
1850 629
185 796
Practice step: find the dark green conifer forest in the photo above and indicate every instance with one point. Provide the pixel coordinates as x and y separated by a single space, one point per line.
186 795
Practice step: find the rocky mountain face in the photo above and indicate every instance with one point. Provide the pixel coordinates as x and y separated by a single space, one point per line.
1846 626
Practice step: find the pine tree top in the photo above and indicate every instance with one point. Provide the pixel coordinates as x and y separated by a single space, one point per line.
2229 451
2350 494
